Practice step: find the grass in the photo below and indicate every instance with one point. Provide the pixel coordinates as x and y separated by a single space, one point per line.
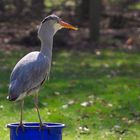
106 83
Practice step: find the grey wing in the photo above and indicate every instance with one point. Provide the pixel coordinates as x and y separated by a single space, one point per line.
27 75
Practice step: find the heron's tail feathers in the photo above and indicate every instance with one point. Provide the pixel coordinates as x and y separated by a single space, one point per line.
11 98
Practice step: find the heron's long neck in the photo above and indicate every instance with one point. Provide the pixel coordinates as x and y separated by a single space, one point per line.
46 46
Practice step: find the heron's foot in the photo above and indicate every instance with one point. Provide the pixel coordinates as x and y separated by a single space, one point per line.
42 125
20 126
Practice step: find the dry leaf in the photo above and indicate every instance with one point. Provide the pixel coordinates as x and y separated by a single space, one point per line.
65 106
56 93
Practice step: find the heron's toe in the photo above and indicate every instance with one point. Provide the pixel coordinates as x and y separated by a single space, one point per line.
42 125
21 125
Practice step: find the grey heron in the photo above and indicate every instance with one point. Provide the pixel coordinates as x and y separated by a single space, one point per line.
34 68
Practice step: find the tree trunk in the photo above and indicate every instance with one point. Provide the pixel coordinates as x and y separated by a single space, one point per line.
19 4
94 19
37 7
84 9
2 6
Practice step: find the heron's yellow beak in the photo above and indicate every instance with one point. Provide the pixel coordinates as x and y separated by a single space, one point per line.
67 25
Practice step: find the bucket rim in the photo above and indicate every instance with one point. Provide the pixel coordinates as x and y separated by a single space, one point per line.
36 125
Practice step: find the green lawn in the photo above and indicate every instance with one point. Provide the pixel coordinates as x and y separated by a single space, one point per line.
97 95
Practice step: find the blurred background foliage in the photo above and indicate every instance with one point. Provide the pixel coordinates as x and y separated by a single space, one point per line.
95 16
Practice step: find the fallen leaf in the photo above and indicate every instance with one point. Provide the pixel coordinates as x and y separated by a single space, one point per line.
65 106
48 113
91 97
106 65
1 107
110 105
98 52
130 121
84 130
56 93
85 104
71 102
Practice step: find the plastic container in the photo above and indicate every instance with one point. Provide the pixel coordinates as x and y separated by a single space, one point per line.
52 131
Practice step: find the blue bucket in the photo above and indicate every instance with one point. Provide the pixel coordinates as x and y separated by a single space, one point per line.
52 131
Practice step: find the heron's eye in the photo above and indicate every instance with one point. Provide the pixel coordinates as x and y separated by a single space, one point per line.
58 20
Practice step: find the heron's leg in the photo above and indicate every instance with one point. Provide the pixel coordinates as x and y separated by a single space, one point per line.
36 105
22 104
21 112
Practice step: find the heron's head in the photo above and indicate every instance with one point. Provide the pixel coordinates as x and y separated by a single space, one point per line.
50 25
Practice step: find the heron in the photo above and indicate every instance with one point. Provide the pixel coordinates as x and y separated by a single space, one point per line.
34 68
